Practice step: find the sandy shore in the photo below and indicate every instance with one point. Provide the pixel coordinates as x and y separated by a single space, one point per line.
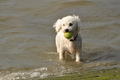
104 74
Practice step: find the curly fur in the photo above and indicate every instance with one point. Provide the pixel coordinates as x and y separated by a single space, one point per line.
68 24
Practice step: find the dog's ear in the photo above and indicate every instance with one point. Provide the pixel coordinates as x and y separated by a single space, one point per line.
78 23
57 25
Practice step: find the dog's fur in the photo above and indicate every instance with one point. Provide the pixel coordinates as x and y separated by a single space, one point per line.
72 45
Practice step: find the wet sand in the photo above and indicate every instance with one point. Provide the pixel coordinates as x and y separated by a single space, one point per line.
104 74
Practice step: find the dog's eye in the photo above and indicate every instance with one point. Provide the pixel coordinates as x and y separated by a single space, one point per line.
70 24
63 24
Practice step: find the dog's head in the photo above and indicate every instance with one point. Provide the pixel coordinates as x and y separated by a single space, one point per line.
68 24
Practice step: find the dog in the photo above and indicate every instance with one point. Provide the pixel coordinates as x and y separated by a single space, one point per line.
73 45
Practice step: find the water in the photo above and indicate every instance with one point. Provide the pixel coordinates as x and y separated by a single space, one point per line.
27 45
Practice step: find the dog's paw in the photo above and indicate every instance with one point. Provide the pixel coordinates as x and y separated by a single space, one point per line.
78 62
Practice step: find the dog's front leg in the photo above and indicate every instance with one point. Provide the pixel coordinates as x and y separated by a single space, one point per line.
61 55
77 56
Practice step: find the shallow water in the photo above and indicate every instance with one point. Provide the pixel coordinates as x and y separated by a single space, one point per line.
27 45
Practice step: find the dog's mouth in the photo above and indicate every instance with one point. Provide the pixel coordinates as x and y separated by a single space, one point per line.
67 30
71 38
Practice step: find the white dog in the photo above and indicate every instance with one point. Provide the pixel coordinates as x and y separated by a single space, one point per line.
72 45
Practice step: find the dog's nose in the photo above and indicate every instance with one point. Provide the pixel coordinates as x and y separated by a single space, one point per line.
66 30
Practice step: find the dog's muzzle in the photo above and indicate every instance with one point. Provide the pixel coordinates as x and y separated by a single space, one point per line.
66 30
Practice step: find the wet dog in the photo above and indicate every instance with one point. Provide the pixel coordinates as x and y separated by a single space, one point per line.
74 44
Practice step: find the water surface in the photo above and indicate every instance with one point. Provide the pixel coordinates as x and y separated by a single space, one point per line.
27 45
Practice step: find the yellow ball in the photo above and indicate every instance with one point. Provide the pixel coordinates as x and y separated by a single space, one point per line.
68 35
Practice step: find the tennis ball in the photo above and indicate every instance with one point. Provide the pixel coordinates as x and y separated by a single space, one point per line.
68 35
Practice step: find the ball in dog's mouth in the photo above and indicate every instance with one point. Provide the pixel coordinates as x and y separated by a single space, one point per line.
68 35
